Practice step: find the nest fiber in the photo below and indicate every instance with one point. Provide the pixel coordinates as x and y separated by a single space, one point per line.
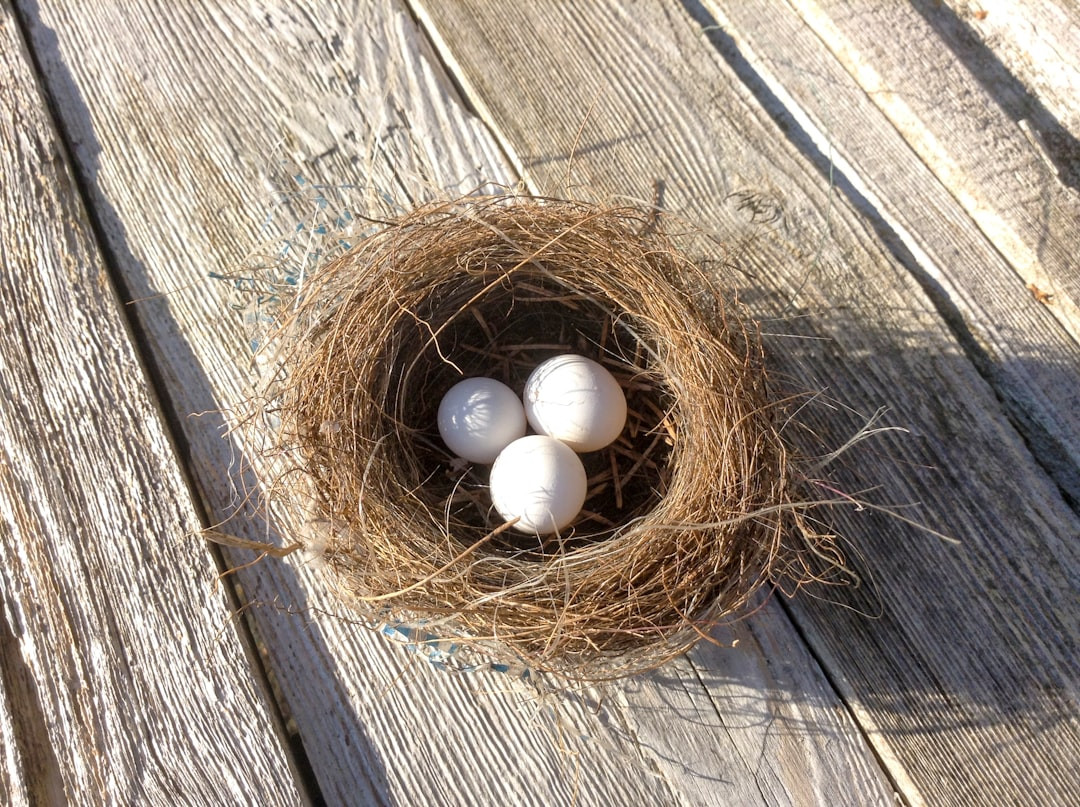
687 512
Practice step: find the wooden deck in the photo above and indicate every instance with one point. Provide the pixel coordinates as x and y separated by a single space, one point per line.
899 183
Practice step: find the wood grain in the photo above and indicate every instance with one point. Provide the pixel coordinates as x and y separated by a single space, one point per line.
744 720
349 94
1036 42
121 678
1029 358
16 775
959 661
977 129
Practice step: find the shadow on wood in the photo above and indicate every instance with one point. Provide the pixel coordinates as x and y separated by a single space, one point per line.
312 664
1058 143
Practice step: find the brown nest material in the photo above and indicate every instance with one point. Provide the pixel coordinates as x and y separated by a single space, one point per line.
688 512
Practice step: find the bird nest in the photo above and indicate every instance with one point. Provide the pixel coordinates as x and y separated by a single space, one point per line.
689 512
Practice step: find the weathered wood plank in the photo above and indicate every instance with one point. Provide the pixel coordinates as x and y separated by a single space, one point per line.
975 127
1032 362
16 774
123 682
31 768
351 91
749 722
966 679
1036 42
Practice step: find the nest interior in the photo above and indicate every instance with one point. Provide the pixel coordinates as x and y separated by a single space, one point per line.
687 511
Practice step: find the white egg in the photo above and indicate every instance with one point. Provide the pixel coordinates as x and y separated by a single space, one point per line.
479 417
574 399
540 481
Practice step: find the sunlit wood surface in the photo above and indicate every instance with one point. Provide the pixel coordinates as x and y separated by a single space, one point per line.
898 184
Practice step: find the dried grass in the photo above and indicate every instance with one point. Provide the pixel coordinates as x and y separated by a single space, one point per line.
689 513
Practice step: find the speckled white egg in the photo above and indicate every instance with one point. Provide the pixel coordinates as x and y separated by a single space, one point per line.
540 481
479 417
574 399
